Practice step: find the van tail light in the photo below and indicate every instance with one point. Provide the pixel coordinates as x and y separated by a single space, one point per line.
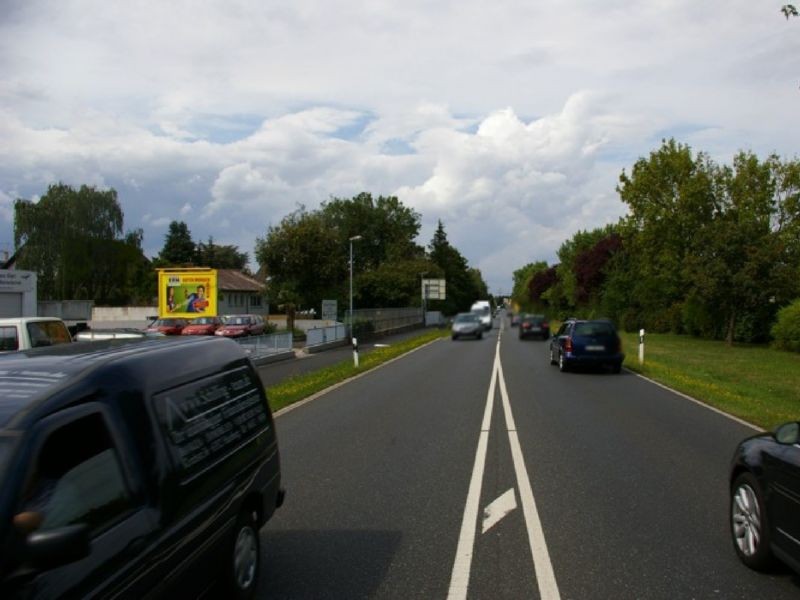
568 345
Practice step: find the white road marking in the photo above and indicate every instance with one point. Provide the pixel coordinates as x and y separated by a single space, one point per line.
498 509
699 402
381 346
545 577
459 579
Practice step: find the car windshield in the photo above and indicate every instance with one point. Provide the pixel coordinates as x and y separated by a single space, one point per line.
466 318
165 323
203 321
592 328
237 321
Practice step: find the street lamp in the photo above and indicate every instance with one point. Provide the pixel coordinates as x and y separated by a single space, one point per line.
422 282
355 238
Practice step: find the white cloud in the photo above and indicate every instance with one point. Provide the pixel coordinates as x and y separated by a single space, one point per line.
510 121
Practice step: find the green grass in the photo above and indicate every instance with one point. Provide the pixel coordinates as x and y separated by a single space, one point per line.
755 383
296 388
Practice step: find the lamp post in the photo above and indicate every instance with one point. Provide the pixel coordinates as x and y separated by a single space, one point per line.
424 294
355 238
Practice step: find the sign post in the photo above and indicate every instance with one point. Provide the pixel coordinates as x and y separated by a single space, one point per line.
641 346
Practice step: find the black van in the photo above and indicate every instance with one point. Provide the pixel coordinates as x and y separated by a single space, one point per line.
133 469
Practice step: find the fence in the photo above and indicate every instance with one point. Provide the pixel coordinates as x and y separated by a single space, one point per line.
374 320
264 345
323 335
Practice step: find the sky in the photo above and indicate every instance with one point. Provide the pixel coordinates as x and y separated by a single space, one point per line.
510 121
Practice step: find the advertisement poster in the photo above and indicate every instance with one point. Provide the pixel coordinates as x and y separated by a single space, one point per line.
187 293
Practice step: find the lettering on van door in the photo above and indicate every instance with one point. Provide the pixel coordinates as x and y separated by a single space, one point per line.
206 420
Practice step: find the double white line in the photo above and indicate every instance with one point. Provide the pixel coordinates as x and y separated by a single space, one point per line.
543 568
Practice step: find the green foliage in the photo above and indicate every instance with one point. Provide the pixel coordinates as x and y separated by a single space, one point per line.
786 331
789 10
463 285
67 225
179 249
215 256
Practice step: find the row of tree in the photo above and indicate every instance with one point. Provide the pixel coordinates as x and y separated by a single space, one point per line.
307 257
707 249
74 240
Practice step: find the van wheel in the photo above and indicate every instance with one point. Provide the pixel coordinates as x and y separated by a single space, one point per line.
244 557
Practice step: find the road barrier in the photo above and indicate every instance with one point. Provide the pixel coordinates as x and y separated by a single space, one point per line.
324 335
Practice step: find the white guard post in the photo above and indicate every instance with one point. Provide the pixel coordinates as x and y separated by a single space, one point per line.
641 346
355 352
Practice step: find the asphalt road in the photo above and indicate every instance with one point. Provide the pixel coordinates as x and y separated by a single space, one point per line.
278 371
588 485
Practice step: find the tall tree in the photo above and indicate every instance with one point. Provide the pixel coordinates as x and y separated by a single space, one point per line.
216 256
73 239
462 288
179 249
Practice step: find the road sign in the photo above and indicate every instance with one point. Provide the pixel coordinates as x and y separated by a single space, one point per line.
433 289
329 310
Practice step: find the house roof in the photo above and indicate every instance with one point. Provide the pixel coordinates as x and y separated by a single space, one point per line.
231 280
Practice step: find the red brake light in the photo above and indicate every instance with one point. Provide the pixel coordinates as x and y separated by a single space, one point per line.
568 344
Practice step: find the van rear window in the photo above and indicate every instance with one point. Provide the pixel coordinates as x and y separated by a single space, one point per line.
8 339
209 419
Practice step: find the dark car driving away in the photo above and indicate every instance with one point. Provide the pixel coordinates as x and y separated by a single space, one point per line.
581 343
534 326
765 498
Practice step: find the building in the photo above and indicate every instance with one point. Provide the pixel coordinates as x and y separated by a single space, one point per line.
240 294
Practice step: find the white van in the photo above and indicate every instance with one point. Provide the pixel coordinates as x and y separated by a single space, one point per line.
24 333
484 310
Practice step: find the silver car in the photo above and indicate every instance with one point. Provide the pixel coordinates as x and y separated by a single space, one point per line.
467 324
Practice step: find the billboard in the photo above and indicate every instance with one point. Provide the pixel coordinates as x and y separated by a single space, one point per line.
433 289
187 293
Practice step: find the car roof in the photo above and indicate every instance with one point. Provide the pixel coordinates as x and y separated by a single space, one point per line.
36 382
20 320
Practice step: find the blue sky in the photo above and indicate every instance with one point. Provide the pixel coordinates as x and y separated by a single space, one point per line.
509 121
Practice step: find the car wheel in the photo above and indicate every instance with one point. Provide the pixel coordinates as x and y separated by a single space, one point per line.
455 337
562 364
480 335
749 526
616 367
553 360
244 558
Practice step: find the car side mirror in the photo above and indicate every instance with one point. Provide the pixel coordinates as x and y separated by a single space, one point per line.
788 433
58 547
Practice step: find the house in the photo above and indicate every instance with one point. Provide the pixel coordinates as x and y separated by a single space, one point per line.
240 294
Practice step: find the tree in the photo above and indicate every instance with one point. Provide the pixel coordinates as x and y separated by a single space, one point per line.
669 195
304 259
387 228
789 10
520 292
179 249
74 240
462 288
215 256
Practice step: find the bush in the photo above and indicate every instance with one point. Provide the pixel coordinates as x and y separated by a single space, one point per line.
786 331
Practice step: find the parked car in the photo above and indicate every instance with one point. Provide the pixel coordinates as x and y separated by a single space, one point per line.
467 324
170 326
235 326
580 343
133 469
23 333
202 326
765 498
534 326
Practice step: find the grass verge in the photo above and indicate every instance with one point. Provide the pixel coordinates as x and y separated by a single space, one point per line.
302 386
755 383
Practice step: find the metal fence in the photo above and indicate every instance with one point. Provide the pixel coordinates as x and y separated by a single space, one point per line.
323 335
385 319
264 345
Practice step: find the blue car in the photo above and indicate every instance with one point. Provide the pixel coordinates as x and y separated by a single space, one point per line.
580 343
